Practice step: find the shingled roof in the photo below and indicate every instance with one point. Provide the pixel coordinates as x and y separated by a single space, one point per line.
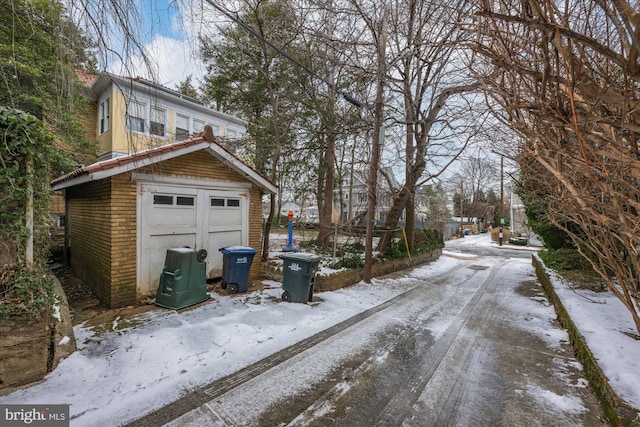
115 166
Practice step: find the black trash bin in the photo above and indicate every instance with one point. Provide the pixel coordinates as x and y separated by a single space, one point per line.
236 265
299 272
184 278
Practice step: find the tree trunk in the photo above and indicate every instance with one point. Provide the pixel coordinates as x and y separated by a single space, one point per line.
29 212
410 223
326 215
267 229
399 203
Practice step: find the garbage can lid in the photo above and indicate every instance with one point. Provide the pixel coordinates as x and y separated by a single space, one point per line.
301 256
183 250
242 250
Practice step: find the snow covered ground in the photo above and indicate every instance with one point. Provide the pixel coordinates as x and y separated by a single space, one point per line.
129 366
602 320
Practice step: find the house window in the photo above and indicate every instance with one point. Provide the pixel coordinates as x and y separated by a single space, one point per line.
182 127
198 126
216 130
104 116
217 203
157 121
233 203
135 116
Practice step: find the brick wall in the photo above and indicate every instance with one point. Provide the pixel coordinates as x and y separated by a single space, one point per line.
89 219
89 118
124 260
255 230
103 225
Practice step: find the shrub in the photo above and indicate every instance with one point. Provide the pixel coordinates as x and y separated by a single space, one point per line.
25 291
564 259
350 260
425 240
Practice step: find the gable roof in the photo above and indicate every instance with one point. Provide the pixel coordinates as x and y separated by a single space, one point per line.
118 165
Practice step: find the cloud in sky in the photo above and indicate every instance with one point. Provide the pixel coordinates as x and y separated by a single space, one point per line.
169 44
171 61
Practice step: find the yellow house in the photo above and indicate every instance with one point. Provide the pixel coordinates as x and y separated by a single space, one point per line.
134 114
160 182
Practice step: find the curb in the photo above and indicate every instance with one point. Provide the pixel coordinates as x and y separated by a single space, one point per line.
617 412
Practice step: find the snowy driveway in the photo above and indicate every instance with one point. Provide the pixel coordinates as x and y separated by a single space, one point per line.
465 340
475 345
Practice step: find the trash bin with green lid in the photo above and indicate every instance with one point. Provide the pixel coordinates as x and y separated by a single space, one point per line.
299 272
236 266
184 278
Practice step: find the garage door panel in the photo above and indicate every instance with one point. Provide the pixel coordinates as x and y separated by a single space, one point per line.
177 216
225 218
155 254
173 217
172 231
216 241
223 228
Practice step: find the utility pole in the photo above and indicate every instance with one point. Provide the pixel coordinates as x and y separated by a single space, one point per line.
461 208
501 190
372 181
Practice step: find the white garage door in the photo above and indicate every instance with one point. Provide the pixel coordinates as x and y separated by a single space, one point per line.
178 216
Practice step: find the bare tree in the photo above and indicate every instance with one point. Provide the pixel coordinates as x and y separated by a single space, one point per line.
432 91
566 77
328 37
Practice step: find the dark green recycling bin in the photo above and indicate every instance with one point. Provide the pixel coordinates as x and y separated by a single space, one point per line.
236 265
184 278
299 272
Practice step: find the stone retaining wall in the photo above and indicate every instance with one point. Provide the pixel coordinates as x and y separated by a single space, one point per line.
616 411
343 278
29 350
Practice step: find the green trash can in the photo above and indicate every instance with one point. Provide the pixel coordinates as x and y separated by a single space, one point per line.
184 278
299 272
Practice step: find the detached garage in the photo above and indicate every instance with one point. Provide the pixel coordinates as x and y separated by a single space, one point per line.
124 213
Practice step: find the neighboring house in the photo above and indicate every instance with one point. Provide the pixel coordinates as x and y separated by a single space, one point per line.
124 213
355 198
134 114
518 215
353 190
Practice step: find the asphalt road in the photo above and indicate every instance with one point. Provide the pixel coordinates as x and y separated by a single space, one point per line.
446 353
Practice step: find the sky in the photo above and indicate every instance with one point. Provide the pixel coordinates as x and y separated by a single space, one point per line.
168 34
127 367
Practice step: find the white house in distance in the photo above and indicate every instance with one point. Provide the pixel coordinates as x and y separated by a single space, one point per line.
351 200
518 215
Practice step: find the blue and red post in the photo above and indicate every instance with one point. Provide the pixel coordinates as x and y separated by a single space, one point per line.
290 246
